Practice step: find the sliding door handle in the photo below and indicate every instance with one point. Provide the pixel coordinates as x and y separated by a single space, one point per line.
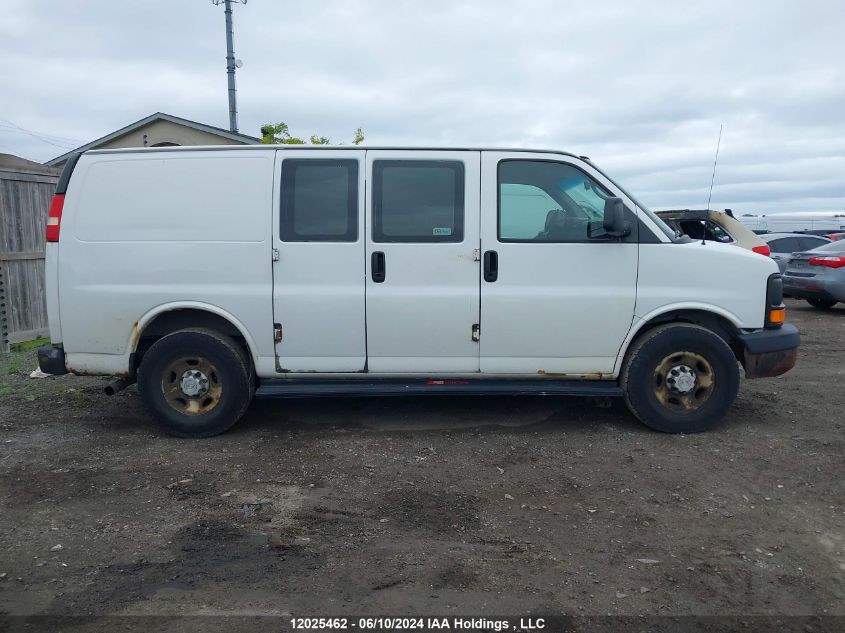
378 267
491 266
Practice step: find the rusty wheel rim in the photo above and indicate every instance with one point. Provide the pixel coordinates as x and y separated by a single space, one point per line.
683 381
192 385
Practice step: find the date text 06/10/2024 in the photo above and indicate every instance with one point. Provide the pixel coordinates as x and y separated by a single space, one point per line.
418 624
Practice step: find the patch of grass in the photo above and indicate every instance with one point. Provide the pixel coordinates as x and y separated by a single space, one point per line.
6 392
27 345
77 396
13 369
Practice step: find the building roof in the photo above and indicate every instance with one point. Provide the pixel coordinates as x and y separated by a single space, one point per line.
10 162
158 116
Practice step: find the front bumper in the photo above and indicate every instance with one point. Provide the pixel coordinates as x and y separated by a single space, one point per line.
51 359
767 353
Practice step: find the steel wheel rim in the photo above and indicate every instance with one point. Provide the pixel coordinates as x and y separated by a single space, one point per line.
671 381
192 385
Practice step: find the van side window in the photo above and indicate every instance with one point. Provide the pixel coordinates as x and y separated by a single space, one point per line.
319 200
545 201
418 201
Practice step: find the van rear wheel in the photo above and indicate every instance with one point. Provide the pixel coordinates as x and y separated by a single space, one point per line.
680 378
197 382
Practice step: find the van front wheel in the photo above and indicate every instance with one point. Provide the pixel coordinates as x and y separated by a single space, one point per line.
197 382
680 378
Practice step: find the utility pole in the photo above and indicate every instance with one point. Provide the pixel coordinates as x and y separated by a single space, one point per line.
231 62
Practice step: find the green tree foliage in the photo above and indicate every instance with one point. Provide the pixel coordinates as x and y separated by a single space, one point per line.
279 134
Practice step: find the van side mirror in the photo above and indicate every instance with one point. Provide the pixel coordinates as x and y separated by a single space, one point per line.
614 218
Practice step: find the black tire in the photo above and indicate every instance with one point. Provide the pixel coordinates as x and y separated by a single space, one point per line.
699 357
210 361
822 304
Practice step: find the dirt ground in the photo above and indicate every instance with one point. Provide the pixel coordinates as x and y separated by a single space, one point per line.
449 505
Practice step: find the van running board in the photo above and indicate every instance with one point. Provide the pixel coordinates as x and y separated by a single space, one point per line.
304 388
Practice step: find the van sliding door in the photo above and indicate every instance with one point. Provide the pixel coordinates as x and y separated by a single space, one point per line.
423 284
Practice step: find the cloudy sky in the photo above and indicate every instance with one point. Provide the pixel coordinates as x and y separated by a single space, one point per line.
640 87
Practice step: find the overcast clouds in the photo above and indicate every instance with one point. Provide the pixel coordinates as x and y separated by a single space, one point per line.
640 87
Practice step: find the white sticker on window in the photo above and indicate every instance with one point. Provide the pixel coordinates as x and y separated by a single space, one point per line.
441 230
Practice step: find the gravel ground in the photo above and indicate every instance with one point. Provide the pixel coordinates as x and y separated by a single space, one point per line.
450 505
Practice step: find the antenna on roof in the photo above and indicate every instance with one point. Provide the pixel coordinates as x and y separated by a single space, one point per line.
712 180
713 177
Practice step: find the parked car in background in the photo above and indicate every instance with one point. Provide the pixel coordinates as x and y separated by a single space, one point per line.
715 226
794 222
835 237
782 245
819 232
817 275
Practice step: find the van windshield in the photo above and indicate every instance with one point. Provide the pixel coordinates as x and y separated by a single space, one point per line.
654 217
670 233
587 195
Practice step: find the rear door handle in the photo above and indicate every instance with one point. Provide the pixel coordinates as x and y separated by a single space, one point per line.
491 266
378 267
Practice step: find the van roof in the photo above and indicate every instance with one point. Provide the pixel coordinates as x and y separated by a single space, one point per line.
186 148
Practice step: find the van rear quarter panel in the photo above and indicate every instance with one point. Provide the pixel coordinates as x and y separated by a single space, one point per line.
140 231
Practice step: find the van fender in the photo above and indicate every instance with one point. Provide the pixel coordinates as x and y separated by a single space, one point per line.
146 319
641 322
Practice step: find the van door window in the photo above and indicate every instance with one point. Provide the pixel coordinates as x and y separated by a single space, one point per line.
418 201
544 201
319 200
523 210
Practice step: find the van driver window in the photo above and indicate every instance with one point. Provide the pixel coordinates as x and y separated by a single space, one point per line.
545 201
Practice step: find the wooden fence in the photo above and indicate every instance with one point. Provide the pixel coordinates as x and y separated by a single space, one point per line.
25 192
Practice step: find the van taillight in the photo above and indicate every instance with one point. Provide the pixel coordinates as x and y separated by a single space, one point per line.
763 250
54 219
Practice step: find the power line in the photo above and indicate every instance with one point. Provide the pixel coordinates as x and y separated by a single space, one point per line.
56 141
35 136
55 137
15 152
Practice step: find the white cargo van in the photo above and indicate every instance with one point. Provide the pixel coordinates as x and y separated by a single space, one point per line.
214 274
818 223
